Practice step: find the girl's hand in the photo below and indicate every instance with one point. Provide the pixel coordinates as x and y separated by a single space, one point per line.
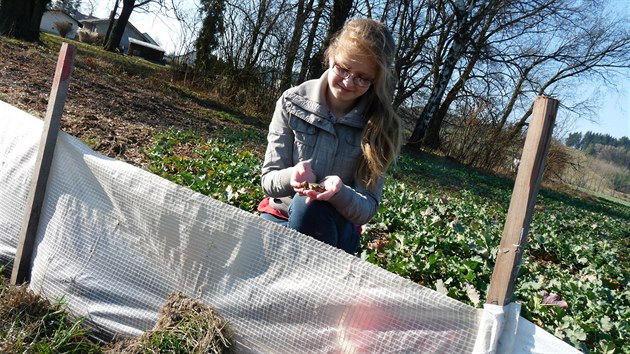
331 185
301 172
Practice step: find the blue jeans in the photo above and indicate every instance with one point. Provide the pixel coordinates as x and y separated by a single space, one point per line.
322 221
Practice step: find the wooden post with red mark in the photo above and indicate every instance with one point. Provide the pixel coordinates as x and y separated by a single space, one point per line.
526 187
52 123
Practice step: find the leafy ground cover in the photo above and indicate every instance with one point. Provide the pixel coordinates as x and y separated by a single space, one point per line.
440 224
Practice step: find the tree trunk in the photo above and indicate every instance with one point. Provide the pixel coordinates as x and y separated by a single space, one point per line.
432 136
119 28
340 12
21 19
429 24
467 21
256 32
420 129
306 62
303 11
112 20
270 25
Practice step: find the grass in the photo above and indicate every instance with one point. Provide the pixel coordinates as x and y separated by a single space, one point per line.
607 198
130 65
32 324
593 176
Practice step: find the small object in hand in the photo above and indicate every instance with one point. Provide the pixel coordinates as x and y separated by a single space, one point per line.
313 186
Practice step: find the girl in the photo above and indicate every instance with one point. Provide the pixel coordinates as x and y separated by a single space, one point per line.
339 131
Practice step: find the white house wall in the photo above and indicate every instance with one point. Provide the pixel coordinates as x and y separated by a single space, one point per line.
48 23
129 33
101 27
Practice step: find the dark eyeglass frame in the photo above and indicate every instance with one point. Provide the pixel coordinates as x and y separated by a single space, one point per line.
346 74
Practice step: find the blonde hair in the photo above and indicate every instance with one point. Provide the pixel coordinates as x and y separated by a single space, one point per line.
382 135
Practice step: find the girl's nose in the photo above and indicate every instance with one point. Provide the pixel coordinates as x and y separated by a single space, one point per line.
349 80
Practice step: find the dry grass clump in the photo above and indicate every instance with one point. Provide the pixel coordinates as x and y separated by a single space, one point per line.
184 325
63 28
89 37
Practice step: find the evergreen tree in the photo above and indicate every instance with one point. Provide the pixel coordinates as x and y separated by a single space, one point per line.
574 140
606 139
211 28
624 142
591 139
587 140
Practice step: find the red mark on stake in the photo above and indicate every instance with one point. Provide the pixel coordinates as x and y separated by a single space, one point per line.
64 64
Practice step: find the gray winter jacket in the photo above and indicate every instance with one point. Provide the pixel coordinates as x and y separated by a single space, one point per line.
303 128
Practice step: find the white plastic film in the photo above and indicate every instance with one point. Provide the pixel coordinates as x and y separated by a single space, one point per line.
115 240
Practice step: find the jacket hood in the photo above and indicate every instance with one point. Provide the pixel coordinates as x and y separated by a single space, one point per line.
311 96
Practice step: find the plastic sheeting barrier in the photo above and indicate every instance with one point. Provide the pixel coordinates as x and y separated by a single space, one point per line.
114 240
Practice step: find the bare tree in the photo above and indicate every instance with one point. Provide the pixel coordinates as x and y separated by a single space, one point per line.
112 20
188 20
419 28
251 28
491 46
89 6
338 16
113 42
265 24
542 47
308 49
467 20
303 10
21 19
594 46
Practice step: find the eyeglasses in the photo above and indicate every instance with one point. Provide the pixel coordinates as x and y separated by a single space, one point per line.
346 74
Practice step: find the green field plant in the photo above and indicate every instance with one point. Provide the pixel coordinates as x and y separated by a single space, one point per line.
439 225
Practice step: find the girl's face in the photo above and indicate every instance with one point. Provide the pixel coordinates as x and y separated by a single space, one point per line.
349 78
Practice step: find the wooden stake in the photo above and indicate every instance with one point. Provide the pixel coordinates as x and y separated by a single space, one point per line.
52 122
521 208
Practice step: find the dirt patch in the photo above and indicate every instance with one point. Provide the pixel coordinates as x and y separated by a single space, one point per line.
114 106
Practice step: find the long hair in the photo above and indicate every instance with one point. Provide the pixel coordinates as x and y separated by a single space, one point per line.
382 135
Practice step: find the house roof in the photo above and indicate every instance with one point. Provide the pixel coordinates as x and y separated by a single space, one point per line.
79 24
146 44
95 20
106 20
149 38
81 17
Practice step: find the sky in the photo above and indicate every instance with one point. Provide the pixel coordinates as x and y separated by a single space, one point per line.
612 118
163 28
